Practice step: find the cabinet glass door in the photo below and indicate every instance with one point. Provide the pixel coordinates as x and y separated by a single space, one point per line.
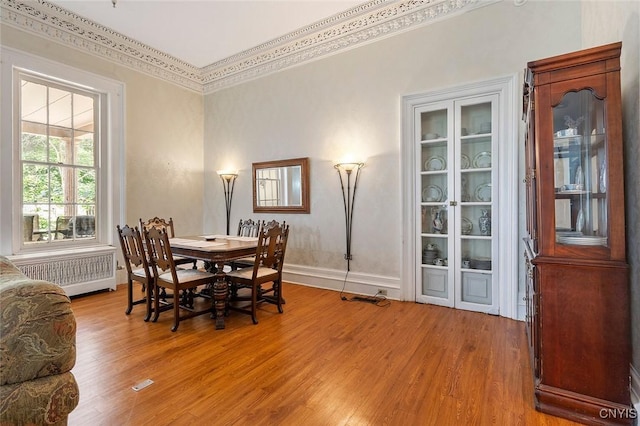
455 143
433 131
580 167
476 125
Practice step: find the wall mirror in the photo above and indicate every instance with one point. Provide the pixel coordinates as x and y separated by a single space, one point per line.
281 186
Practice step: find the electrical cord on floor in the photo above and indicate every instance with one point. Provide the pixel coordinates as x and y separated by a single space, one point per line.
378 299
344 283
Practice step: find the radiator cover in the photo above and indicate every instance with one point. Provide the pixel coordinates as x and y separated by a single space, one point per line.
76 273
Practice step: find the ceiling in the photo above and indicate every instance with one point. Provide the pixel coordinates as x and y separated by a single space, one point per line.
201 32
208 45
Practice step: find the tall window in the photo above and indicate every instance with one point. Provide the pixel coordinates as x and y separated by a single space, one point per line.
61 158
59 147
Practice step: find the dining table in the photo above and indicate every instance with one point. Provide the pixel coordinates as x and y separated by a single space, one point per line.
219 250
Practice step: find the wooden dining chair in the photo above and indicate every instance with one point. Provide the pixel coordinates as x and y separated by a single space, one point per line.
248 228
182 282
267 268
167 225
137 267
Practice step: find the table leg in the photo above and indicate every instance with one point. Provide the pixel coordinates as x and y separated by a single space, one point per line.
220 293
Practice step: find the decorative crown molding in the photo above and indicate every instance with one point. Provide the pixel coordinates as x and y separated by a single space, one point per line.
362 24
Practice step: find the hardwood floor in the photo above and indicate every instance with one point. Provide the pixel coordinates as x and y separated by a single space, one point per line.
323 362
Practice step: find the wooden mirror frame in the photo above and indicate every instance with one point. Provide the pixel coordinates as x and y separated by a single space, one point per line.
304 186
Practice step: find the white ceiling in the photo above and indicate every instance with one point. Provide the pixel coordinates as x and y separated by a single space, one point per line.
202 32
208 45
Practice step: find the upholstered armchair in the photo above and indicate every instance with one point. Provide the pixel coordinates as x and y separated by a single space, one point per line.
37 350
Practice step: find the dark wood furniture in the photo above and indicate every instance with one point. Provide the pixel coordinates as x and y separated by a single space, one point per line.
267 268
182 282
135 260
219 252
246 228
167 226
578 315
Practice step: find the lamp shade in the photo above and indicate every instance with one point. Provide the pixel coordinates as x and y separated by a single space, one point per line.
227 174
349 166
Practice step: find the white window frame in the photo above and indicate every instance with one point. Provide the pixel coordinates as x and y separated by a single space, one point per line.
111 156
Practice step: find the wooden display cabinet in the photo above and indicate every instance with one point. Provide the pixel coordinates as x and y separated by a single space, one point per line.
578 315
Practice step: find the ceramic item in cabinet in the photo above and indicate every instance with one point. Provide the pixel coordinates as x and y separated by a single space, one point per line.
482 160
432 193
435 163
484 222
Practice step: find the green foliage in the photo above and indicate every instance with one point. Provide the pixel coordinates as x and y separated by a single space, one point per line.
51 170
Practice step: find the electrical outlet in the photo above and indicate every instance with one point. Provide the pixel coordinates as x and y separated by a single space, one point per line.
382 291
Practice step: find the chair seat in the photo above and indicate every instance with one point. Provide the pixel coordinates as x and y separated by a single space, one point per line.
187 275
140 273
247 273
180 260
245 262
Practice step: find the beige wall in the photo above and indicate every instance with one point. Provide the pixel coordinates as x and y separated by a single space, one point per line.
163 136
351 102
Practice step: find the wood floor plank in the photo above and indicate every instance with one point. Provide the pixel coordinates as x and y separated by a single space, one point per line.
323 362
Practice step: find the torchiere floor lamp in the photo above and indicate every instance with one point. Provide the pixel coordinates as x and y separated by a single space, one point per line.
228 182
348 197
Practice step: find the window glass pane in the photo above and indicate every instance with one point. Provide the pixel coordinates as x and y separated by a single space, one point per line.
83 112
86 186
58 160
33 102
34 147
61 184
84 155
60 108
59 150
35 187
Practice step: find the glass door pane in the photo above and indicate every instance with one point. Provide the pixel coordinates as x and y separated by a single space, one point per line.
476 169
580 170
433 183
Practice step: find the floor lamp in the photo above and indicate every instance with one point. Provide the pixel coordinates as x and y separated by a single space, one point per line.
228 182
348 196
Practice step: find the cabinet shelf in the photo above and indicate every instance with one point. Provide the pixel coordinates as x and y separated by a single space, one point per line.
475 136
578 194
435 141
477 271
570 145
475 169
476 237
475 203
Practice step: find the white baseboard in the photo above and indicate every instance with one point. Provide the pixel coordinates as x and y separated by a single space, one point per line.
332 279
522 308
91 286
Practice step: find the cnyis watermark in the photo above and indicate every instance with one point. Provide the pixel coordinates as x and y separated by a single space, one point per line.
618 413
